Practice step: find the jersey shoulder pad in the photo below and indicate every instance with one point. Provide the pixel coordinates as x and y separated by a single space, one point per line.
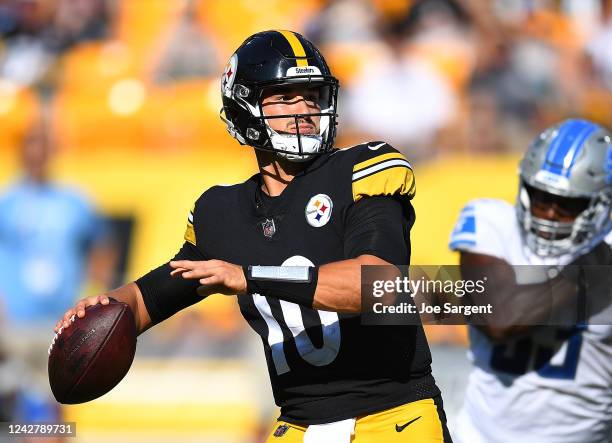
481 227
209 197
377 168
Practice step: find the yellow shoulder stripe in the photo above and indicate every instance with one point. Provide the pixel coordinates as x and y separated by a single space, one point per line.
296 46
190 231
377 159
394 180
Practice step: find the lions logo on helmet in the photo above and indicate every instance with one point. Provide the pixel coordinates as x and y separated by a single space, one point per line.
277 59
567 163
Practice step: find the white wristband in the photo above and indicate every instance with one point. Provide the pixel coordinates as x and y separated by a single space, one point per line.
297 274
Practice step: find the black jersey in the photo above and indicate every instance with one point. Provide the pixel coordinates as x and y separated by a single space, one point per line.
324 366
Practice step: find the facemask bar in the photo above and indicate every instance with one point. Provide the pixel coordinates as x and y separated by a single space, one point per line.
302 151
231 128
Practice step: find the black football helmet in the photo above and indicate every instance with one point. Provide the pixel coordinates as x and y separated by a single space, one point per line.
276 59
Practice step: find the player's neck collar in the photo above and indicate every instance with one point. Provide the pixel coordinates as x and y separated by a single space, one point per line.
261 204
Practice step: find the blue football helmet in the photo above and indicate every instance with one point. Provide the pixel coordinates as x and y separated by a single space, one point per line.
569 165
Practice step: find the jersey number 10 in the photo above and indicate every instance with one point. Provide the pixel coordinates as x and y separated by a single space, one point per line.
292 316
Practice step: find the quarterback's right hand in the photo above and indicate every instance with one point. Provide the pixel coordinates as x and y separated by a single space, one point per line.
79 309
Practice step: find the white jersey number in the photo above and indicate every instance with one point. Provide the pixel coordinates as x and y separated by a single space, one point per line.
292 317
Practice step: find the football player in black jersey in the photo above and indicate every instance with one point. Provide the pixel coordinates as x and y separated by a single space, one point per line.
290 242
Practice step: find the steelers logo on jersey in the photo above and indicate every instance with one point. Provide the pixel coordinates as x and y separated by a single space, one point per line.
319 210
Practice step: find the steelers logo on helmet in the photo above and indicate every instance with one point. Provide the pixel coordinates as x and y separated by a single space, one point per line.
227 81
319 210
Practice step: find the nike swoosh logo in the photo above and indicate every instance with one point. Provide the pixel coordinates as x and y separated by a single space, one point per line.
399 428
375 147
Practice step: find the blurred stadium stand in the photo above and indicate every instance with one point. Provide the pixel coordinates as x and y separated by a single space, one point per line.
138 129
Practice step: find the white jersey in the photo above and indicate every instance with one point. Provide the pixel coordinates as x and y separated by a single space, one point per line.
567 399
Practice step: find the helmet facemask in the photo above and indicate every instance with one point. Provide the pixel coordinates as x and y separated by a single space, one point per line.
292 144
551 238
301 146
568 168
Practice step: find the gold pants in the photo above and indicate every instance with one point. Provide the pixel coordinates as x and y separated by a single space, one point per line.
418 422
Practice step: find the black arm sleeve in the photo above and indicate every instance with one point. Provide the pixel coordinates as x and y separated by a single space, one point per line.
164 295
380 226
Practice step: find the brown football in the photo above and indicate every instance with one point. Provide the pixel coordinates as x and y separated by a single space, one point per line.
90 357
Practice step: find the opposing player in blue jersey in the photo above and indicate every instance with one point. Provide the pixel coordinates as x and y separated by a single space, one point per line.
542 383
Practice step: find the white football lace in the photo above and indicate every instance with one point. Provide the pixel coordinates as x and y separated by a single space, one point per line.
58 334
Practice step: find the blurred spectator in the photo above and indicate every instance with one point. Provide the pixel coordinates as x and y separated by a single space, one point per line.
596 84
500 100
410 90
528 73
189 52
76 21
343 21
599 48
35 32
346 31
407 102
48 234
24 58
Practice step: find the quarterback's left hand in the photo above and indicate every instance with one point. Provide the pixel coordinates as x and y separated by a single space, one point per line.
216 275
